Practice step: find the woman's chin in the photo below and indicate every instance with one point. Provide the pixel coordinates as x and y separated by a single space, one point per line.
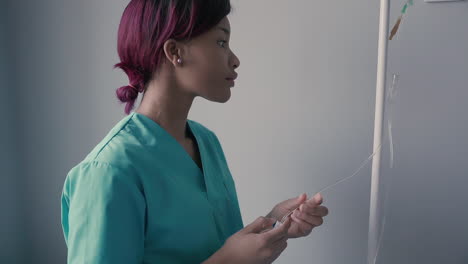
221 98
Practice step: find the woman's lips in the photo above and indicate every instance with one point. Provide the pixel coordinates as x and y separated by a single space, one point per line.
232 78
231 81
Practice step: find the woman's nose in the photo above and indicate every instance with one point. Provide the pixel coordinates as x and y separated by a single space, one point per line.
235 61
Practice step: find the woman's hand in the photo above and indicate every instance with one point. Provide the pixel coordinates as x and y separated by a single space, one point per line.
257 243
308 216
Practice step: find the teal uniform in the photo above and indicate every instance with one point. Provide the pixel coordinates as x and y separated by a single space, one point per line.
139 197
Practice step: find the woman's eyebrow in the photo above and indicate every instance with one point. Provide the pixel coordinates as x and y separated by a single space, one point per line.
225 30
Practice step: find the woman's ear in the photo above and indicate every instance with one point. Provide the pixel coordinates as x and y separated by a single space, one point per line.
172 51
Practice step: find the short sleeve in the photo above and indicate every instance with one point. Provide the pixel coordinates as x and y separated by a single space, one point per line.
103 215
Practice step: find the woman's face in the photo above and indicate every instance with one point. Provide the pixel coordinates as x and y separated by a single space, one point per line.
208 63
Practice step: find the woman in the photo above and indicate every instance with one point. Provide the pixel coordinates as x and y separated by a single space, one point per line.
157 188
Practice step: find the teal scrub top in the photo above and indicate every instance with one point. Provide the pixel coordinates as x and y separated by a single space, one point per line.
139 197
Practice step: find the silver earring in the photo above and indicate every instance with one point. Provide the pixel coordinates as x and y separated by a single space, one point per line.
179 60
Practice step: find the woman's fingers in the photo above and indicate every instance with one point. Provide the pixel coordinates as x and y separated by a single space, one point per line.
304 227
314 210
310 219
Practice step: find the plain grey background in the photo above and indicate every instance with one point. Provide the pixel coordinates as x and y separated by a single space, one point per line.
300 117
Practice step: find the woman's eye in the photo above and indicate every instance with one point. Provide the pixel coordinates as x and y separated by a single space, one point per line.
223 41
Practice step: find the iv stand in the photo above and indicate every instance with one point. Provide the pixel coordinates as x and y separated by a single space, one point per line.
378 128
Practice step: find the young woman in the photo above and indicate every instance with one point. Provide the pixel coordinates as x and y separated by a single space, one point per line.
157 188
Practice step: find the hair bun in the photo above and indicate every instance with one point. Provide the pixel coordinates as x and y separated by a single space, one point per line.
127 94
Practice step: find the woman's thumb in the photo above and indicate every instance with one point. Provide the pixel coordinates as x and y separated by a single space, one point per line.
295 202
301 198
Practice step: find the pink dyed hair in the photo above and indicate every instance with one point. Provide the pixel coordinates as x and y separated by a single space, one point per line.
144 28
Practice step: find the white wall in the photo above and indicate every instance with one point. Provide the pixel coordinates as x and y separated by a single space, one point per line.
300 117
